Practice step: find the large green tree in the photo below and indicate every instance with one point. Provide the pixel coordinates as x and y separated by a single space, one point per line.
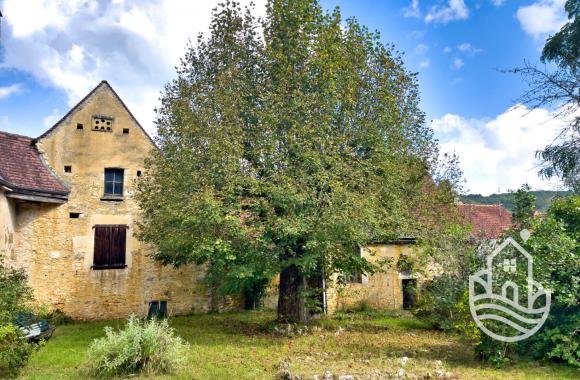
285 145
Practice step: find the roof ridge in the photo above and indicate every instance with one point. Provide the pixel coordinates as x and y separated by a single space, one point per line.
482 205
16 135
51 129
85 98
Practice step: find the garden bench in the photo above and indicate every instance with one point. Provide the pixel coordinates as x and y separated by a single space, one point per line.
31 330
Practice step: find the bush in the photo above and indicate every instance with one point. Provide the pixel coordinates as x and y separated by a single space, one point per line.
555 247
150 347
14 351
54 317
15 296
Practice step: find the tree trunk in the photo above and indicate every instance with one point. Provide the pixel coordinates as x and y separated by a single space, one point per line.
291 303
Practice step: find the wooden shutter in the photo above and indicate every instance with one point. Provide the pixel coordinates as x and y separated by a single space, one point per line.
118 243
101 252
110 245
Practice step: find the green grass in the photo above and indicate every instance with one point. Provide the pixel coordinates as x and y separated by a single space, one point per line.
243 345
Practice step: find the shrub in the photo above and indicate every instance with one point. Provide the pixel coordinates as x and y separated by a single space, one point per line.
15 296
14 351
150 347
54 317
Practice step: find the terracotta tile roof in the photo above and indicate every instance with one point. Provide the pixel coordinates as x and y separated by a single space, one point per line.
488 221
22 168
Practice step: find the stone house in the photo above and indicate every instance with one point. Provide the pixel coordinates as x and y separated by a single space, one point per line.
67 216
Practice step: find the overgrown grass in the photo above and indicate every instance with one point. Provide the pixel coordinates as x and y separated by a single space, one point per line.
243 346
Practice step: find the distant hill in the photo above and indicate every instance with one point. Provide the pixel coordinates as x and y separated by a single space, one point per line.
543 199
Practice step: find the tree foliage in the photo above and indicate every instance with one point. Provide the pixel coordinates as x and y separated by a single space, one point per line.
564 46
524 206
559 88
15 294
543 198
284 146
554 245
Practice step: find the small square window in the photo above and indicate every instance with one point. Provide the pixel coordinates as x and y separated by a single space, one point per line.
138 173
114 182
356 277
74 215
157 309
79 125
68 169
126 131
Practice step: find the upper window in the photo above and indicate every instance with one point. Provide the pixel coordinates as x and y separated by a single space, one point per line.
114 182
110 243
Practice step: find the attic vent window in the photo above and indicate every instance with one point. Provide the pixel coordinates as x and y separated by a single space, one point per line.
68 169
102 123
79 125
74 215
126 131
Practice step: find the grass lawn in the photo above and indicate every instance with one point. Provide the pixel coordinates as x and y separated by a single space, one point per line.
244 345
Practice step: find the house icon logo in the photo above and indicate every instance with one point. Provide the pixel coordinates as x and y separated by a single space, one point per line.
497 305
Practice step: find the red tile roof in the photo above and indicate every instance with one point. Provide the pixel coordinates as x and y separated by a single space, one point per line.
488 221
22 168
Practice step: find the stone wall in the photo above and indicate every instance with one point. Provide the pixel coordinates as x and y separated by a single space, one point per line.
7 220
381 290
56 248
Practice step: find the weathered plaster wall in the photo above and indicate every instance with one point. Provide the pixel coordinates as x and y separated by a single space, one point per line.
57 251
7 220
380 290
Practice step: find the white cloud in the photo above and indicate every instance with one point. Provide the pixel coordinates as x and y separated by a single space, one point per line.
498 3
454 10
7 91
412 10
417 33
50 120
424 63
542 18
468 48
458 63
499 152
134 44
421 49
446 49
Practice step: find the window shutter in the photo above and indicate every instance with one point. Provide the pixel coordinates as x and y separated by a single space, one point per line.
101 252
118 243
110 246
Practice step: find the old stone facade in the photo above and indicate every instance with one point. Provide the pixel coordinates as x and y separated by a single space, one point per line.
48 216
382 290
61 192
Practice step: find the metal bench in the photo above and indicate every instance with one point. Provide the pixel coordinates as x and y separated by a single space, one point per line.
33 331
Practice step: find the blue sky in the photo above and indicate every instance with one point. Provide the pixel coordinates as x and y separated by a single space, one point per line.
53 52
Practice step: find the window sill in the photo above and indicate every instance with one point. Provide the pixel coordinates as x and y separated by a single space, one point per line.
113 198
120 266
